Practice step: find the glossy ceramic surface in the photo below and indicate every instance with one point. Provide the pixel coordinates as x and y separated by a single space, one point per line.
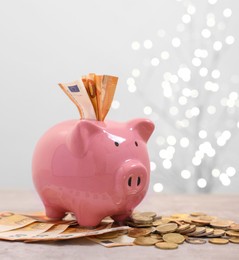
93 169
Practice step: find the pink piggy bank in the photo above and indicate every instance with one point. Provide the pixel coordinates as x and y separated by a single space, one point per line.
93 169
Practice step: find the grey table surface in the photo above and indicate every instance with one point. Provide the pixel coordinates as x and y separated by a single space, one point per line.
225 206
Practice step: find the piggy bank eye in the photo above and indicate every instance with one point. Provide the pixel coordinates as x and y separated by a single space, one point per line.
136 143
116 144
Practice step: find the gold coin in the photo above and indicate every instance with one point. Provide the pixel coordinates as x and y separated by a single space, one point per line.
221 223
219 241
199 230
192 228
209 218
166 245
198 224
197 241
208 232
149 214
204 234
156 235
179 215
217 233
139 232
167 228
234 227
183 227
201 221
232 233
187 220
145 241
158 222
197 214
174 238
132 224
178 222
234 240
140 219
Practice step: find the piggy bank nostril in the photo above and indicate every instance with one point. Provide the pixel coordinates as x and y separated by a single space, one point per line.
134 182
130 181
138 181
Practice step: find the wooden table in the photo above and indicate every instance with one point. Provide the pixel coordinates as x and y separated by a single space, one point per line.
225 206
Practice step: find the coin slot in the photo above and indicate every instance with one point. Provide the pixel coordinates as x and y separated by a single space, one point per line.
130 181
138 181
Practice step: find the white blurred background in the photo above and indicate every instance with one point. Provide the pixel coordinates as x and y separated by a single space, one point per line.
177 63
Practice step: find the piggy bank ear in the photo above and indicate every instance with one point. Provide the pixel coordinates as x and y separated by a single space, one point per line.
143 127
79 137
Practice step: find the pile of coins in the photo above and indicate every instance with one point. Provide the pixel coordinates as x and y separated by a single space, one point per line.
171 231
144 229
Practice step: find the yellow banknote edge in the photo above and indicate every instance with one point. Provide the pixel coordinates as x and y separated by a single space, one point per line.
26 232
10 221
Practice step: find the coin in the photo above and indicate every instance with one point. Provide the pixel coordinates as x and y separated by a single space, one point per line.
132 224
167 228
209 218
221 223
158 222
156 235
191 228
166 245
182 227
201 221
208 231
187 220
234 227
174 238
232 233
149 214
140 219
139 232
197 241
234 240
219 241
178 222
145 241
179 215
199 230
217 233
197 214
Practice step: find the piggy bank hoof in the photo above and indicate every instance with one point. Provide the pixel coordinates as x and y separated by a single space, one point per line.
53 213
88 222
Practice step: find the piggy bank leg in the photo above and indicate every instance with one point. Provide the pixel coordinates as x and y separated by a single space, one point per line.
54 213
88 220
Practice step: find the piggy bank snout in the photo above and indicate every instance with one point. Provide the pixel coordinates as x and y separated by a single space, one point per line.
135 177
